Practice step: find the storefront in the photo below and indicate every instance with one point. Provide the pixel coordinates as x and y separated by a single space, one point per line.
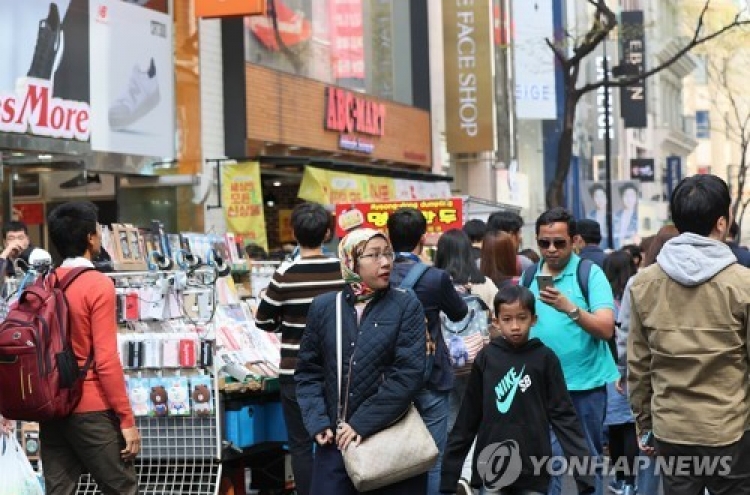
88 95
328 113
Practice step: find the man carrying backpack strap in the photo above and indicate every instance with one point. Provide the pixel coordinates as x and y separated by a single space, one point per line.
100 436
575 320
434 289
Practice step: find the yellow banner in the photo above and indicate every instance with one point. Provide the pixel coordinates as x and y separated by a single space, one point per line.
329 187
242 198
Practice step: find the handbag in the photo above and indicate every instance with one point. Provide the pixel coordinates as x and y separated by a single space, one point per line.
403 450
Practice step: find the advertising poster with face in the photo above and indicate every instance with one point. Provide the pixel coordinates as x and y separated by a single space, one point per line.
625 194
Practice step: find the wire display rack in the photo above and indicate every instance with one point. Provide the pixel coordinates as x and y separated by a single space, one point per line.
179 455
169 476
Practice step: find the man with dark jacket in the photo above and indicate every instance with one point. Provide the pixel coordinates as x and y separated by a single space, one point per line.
587 239
283 307
407 228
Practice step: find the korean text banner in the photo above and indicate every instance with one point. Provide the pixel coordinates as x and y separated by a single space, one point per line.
242 198
441 214
329 187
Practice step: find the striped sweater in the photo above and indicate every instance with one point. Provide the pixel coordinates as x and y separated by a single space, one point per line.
284 305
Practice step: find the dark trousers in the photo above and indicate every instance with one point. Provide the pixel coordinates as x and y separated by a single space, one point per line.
87 441
731 476
330 477
300 442
623 450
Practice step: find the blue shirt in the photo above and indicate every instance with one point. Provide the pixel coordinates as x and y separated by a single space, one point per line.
586 360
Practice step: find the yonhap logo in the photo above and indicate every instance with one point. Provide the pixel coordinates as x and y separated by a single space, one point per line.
499 464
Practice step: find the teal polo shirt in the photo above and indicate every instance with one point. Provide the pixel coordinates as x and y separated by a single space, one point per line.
586 361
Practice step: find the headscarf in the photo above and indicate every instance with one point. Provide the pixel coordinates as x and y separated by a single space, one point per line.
351 248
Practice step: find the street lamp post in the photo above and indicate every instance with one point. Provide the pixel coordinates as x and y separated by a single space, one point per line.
607 151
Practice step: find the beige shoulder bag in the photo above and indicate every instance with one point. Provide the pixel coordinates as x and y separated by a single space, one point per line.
401 451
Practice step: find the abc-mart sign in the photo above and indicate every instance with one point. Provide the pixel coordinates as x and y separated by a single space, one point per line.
32 108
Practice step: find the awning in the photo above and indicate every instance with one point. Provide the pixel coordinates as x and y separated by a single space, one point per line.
335 186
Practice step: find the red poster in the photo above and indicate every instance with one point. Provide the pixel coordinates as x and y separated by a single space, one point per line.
441 214
29 213
347 39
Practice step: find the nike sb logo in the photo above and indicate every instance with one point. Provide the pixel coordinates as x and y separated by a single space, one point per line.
507 387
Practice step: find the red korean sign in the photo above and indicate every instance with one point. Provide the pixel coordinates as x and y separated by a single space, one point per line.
441 214
29 213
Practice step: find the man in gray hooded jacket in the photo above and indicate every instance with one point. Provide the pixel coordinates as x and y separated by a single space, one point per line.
688 349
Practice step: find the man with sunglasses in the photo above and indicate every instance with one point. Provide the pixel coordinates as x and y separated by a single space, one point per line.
575 327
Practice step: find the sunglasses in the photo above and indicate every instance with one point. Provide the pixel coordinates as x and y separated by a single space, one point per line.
546 243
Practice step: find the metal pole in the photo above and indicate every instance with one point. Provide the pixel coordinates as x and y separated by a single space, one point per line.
607 151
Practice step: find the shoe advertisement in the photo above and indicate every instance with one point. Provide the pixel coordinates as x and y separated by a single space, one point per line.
132 88
79 184
44 68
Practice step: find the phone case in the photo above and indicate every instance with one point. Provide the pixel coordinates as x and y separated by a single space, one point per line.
207 353
132 306
200 393
152 352
138 392
135 354
179 397
171 352
187 353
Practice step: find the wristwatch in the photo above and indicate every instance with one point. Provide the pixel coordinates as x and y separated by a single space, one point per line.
575 314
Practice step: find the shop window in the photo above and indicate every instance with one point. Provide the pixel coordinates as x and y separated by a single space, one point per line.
355 44
702 124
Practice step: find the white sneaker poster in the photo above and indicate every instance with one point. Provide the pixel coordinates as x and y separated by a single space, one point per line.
132 79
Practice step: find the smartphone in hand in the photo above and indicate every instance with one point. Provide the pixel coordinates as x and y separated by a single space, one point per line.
544 282
647 439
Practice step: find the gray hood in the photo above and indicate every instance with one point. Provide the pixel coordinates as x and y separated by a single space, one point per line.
691 259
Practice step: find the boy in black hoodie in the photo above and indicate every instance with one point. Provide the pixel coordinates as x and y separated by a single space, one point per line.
516 391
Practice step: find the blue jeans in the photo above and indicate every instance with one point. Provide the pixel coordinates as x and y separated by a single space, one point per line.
590 405
433 407
300 442
648 481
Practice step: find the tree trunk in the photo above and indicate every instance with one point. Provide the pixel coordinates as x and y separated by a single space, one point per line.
555 191
741 174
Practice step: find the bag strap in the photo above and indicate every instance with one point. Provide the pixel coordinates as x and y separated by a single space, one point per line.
73 274
63 284
583 272
415 273
339 350
528 275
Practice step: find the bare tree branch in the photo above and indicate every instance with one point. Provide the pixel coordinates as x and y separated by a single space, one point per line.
696 40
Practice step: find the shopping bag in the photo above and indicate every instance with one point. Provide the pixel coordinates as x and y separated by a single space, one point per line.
18 477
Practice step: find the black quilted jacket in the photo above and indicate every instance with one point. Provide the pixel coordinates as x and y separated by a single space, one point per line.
387 367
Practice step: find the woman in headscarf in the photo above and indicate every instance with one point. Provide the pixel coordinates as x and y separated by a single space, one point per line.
383 362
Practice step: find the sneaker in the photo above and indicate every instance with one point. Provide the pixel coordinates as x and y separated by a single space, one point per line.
141 96
629 490
292 28
47 44
616 487
88 180
464 488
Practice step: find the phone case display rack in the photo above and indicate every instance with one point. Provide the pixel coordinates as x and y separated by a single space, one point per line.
179 454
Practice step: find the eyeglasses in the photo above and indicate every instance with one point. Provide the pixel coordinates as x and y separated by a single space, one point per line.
387 255
558 243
